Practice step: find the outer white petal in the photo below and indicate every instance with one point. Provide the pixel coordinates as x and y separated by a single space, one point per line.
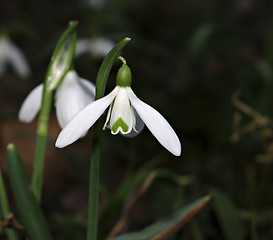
31 104
84 119
72 95
157 124
17 60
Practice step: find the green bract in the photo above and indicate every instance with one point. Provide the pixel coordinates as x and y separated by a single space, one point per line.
62 57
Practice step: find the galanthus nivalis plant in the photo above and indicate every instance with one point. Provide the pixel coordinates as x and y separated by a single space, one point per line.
11 54
73 94
127 115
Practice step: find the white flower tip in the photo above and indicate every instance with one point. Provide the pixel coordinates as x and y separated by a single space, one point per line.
24 118
59 145
128 39
176 150
31 105
60 142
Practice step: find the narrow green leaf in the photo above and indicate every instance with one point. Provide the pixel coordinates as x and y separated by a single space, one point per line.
106 66
165 228
30 214
5 208
227 216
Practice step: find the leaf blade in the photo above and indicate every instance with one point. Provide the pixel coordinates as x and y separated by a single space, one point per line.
230 224
27 205
106 66
165 228
5 208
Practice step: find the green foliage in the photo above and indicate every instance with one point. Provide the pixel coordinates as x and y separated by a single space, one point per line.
163 229
188 58
28 208
228 217
4 206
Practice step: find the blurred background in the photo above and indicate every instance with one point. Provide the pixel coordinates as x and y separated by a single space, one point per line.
207 66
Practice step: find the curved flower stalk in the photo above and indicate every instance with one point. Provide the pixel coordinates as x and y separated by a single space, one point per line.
11 54
98 47
127 115
73 94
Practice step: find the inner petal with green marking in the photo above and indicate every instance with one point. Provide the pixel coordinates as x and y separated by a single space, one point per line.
120 124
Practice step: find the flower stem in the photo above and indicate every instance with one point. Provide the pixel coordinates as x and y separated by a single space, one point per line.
59 65
122 59
93 202
92 224
37 177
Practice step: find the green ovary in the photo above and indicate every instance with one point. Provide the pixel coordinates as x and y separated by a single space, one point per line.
119 123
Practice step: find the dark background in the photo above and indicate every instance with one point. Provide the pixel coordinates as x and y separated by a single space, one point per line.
205 65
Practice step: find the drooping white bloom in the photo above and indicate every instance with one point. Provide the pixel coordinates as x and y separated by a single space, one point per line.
98 47
11 54
73 94
127 115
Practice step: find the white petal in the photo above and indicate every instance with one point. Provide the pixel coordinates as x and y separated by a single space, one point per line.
122 110
157 124
100 46
17 60
31 104
72 95
88 85
139 127
106 124
82 46
84 119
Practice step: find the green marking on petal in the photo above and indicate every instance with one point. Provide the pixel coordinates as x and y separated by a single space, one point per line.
120 123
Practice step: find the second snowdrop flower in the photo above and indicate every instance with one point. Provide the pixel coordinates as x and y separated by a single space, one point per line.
73 94
127 115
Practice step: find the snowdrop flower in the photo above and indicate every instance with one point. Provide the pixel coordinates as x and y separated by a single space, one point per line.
126 115
73 94
98 47
10 53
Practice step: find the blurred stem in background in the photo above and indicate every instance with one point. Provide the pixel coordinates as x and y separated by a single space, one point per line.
93 206
59 65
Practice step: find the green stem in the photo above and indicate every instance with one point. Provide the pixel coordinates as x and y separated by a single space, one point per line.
5 208
37 177
58 67
92 224
93 202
